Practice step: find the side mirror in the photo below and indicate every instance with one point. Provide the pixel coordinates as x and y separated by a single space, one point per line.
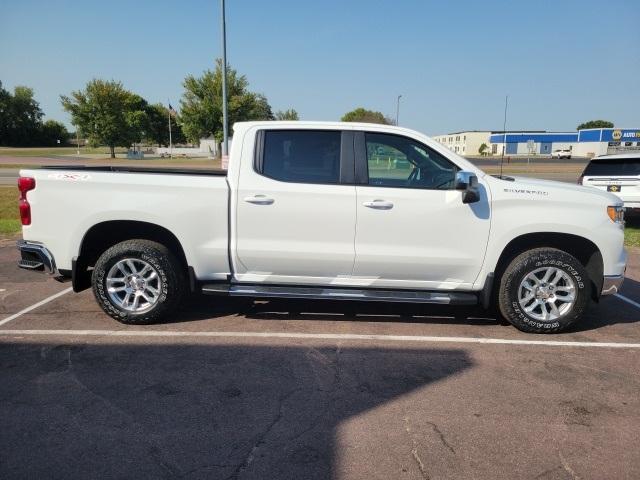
467 182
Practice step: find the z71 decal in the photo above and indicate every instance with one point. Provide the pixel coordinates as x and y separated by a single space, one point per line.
70 177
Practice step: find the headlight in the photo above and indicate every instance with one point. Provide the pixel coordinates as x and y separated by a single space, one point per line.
616 214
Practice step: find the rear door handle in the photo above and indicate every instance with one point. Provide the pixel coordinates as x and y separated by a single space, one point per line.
259 200
379 205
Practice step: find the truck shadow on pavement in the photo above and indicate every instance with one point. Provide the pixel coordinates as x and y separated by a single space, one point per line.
169 410
609 311
202 307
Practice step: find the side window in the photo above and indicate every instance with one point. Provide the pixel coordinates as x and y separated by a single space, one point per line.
303 156
395 161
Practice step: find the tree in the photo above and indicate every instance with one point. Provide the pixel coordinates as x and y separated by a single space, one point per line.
108 114
201 103
367 116
5 113
20 117
158 126
21 121
483 148
595 124
290 114
51 131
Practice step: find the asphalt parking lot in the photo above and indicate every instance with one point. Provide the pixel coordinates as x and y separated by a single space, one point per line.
306 390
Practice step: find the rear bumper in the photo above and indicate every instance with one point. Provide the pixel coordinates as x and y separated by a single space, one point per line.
35 256
612 284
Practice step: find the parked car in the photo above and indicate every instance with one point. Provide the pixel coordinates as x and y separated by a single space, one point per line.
618 174
307 210
564 153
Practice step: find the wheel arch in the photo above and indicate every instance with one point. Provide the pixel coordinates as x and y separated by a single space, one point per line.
582 248
105 234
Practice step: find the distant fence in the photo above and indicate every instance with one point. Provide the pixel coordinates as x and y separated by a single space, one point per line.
208 148
181 152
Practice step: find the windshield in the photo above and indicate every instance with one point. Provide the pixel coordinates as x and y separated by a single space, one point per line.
613 167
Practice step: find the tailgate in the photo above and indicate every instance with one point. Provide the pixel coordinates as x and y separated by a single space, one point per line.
627 188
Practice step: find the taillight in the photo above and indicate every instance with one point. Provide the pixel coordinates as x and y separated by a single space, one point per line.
580 179
25 184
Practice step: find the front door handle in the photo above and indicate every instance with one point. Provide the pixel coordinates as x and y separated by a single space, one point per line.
379 205
259 200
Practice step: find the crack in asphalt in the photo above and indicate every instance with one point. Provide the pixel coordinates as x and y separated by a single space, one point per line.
414 451
442 438
155 451
260 439
567 467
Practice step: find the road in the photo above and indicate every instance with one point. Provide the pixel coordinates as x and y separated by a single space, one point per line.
8 176
299 389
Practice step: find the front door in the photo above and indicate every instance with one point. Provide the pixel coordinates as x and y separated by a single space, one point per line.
295 211
412 230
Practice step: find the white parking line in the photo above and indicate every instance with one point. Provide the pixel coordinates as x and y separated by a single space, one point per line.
34 306
628 300
319 336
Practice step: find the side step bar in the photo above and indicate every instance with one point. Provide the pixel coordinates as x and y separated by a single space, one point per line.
325 293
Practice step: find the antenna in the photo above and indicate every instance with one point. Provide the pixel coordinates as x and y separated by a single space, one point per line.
504 133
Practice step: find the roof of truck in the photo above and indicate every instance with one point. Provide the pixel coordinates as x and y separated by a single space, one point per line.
305 123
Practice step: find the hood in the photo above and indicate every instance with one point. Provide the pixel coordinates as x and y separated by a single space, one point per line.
551 186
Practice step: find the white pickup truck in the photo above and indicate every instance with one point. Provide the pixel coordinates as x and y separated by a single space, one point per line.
339 211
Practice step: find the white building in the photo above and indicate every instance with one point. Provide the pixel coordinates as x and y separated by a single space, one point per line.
465 143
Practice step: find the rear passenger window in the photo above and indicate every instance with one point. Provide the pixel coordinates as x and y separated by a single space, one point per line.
303 156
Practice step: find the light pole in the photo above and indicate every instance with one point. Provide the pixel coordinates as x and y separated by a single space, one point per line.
225 130
398 109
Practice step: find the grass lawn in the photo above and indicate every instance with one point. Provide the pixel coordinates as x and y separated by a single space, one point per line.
632 230
46 151
9 216
192 162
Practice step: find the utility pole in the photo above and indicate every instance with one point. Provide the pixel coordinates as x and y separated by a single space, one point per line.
78 139
170 141
225 126
398 109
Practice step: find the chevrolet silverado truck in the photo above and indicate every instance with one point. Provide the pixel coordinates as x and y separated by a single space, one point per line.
341 211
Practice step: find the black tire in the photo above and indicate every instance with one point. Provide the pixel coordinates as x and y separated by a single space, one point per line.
529 261
171 281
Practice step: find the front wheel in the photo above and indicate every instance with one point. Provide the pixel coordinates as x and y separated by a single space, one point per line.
138 282
544 290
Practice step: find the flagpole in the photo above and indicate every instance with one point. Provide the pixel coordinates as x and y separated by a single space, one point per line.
170 142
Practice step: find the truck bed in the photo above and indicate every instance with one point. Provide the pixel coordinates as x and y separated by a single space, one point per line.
190 204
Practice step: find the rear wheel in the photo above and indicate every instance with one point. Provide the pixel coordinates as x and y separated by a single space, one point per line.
138 281
544 290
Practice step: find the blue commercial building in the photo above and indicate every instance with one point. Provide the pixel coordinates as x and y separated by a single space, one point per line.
583 143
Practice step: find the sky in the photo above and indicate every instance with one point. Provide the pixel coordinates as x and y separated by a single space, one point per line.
560 62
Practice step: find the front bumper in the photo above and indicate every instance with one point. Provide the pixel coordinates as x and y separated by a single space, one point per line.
35 256
612 284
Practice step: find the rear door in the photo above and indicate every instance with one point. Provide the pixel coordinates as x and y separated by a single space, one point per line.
413 231
620 176
295 212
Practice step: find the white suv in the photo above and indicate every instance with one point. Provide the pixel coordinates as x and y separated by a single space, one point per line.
618 174
565 153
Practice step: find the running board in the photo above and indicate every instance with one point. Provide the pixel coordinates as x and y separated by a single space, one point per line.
324 293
